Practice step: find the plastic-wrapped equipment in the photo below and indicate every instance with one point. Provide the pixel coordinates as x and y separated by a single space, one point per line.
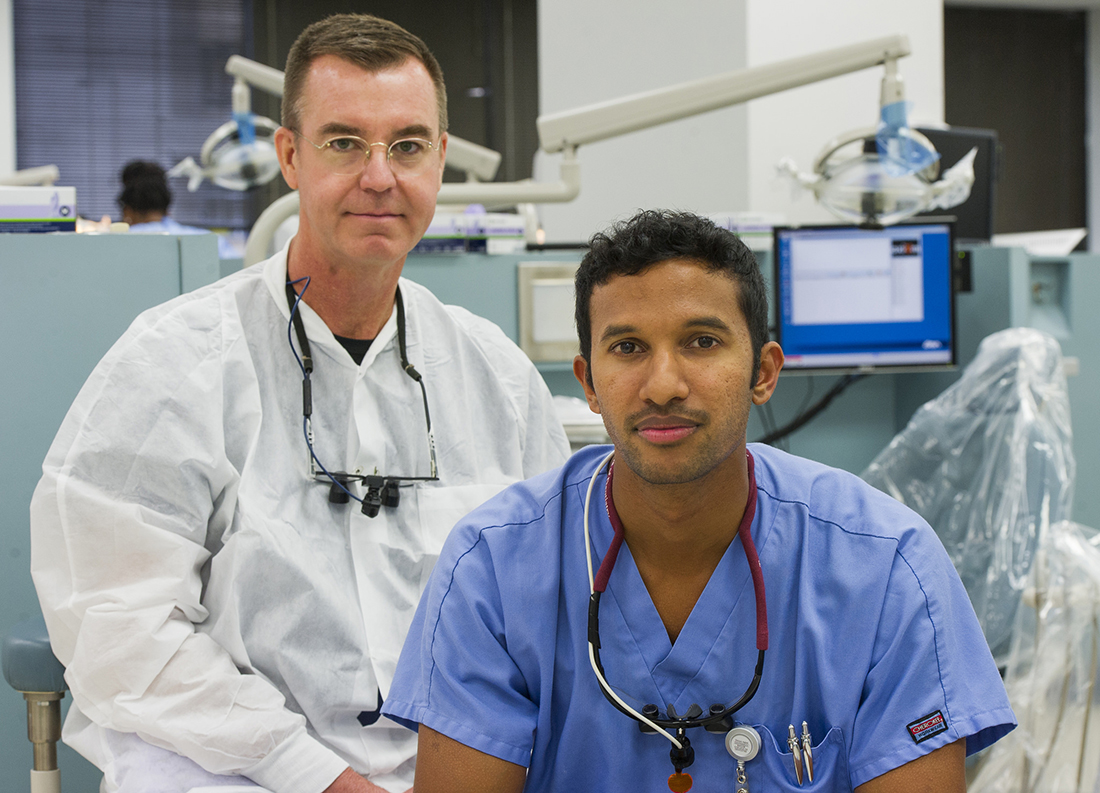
1052 675
989 464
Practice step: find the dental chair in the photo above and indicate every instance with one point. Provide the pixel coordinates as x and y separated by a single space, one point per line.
989 464
31 668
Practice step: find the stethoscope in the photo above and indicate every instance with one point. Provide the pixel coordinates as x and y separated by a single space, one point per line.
382 490
719 718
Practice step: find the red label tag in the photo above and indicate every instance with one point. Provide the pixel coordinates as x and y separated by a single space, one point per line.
925 727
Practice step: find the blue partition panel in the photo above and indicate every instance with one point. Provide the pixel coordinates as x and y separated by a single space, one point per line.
68 297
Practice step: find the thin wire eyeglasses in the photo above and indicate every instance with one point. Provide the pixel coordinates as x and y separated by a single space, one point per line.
348 155
382 490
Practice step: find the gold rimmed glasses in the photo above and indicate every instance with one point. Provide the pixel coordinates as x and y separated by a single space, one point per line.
348 155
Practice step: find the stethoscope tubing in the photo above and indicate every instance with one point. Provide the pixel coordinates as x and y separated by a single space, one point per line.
591 647
681 724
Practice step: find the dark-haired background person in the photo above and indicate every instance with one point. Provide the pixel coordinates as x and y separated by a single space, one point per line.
870 639
222 619
145 199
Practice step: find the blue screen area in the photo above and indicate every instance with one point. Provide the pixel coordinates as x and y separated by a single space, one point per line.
851 298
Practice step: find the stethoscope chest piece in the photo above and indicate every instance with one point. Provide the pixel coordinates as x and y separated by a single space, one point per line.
743 743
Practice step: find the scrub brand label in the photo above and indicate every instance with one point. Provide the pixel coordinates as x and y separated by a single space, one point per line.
926 726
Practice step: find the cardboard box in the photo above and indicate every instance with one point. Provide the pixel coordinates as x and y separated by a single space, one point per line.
37 209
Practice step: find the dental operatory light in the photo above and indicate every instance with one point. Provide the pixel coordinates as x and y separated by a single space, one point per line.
878 176
229 161
240 154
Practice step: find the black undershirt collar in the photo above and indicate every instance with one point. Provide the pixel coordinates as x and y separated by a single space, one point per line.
357 348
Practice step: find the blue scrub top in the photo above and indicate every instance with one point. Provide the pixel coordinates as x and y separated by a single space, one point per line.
873 642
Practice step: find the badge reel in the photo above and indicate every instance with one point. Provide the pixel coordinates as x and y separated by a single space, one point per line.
743 744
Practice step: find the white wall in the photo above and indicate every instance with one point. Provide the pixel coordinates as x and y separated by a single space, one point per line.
720 161
799 122
7 90
594 50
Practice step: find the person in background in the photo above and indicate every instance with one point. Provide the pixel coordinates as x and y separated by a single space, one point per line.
145 199
242 506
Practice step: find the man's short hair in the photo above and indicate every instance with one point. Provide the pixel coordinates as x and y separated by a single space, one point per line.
365 40
654 236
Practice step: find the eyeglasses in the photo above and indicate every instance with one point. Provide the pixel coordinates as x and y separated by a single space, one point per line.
347 155
382 490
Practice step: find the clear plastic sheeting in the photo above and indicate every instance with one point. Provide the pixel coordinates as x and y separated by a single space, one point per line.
1052 675
989 464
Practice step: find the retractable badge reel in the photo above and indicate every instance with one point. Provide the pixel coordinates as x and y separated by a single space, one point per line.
743 744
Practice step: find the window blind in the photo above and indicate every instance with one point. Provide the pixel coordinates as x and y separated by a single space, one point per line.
98 84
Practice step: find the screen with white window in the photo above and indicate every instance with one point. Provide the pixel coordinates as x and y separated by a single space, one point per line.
852 298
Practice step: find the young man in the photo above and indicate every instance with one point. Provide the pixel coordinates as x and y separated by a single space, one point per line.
222 615
875 666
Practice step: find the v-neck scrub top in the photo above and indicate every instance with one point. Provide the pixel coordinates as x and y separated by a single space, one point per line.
873 642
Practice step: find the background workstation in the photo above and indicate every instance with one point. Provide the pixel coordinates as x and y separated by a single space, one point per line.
70 298
78 282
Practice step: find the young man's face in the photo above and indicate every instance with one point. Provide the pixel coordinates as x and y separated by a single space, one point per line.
671 366
377 215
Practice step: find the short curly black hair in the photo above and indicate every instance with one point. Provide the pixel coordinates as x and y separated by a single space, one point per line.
144 187
654 236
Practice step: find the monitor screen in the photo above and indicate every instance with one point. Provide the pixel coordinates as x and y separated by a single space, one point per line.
856 299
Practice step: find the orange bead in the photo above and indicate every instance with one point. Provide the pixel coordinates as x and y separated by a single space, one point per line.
679 782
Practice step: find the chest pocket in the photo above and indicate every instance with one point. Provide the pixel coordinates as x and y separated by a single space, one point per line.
774 766
440 508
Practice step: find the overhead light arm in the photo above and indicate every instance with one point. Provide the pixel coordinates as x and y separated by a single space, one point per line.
650 108
567 130
479 162
263 77
29 177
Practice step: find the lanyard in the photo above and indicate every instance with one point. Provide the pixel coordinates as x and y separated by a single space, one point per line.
719 717
381 489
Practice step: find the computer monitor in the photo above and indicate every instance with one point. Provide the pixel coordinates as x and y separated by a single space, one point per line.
855 299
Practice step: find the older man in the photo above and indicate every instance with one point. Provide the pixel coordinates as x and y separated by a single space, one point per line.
812 626
240 510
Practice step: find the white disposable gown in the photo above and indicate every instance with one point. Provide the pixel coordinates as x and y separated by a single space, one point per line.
201 590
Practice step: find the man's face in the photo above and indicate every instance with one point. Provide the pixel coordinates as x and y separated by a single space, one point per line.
671 368
379 214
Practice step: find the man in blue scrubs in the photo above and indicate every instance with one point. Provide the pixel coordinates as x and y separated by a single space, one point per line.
875 666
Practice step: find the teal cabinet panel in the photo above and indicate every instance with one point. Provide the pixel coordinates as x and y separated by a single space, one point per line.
68 299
